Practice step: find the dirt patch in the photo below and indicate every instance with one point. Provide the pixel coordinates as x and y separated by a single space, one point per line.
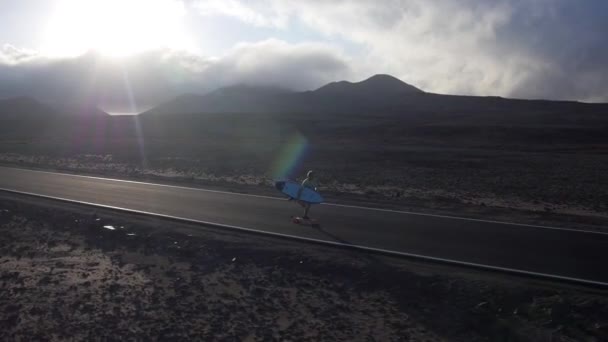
64 276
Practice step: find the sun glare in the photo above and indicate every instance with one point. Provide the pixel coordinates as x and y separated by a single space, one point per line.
115 27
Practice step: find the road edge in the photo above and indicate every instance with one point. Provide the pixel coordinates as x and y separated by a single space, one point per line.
334 244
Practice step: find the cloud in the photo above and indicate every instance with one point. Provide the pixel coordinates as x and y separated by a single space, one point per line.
11 55
273 62
140 81
555 49
256 13
526 48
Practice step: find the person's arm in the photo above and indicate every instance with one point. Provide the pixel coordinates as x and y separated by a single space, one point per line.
302 188
313 185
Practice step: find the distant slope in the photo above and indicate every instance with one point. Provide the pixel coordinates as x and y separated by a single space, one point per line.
238 98
26 117
377 85
24 108
378 95
342 96
373 93
82 111
379 108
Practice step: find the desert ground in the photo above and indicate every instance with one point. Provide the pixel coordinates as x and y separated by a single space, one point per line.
493 157
70 272
556 186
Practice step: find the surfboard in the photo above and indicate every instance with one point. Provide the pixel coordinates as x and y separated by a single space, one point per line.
291 189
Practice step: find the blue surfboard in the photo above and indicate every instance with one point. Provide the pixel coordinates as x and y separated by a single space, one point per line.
291 189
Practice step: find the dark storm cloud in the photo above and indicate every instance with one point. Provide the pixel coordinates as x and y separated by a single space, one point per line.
554 49
569 40
156 76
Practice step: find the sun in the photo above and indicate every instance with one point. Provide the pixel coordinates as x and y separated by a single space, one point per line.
115 27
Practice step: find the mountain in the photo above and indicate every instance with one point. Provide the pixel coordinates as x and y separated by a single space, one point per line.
380 96
335 96
238 98
379 111
377 85
248 90
24 108
377 96
26 117
80 108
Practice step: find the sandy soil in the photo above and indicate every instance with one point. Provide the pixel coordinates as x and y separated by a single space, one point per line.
67 273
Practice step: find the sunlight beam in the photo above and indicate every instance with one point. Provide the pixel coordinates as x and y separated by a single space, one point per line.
116 28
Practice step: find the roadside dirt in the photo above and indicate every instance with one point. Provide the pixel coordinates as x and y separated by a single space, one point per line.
70 273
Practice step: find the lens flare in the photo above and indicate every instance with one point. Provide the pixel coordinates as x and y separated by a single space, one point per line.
289 157
133 106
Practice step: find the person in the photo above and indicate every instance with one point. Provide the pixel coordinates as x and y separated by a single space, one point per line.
311 183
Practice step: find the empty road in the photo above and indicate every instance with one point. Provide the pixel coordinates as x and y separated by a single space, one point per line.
564 253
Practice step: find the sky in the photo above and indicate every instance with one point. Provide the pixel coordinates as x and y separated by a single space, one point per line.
129 55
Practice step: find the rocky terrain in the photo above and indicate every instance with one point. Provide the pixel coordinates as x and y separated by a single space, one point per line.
71 273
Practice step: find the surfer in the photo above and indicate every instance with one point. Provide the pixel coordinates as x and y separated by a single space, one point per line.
311 183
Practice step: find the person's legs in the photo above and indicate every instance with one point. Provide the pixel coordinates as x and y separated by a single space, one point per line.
306 209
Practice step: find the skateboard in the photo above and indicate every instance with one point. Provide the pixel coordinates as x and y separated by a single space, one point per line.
306 222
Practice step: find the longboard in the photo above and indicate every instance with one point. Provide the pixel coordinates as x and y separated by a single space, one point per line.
307 222
291 189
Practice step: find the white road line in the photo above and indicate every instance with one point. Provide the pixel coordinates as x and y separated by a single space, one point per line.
332 243
471 219
327 204
146 183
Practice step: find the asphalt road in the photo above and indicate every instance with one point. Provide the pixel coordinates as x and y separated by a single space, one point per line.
565 253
